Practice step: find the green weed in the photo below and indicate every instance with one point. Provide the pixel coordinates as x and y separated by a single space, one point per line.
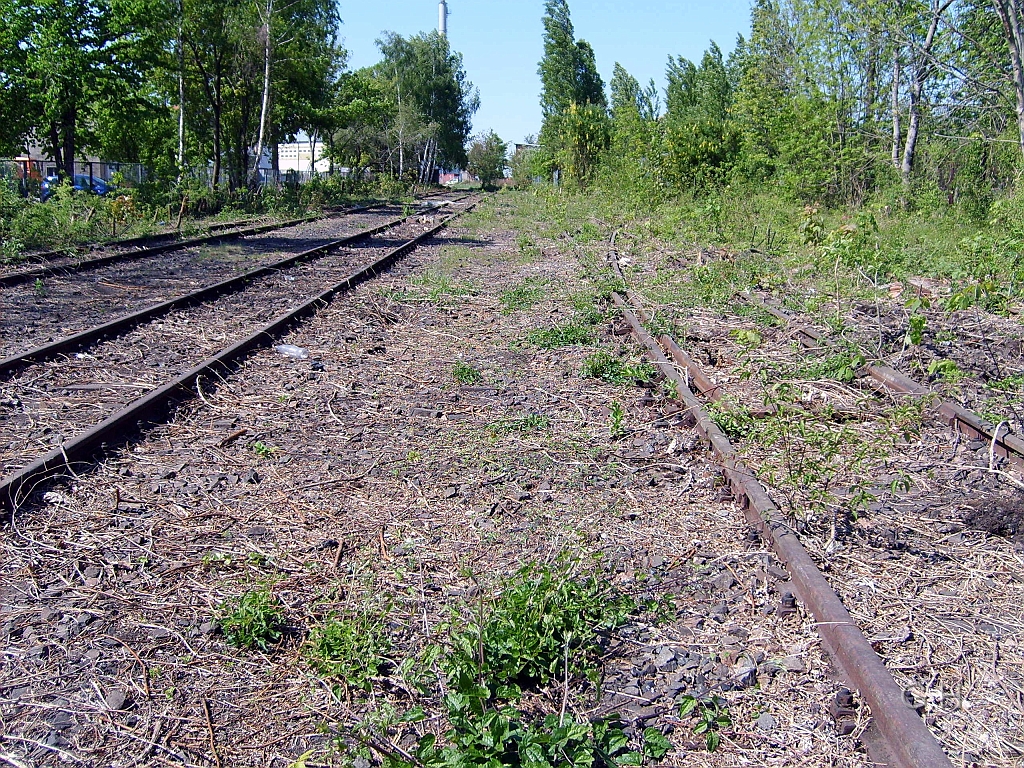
545 623
574 334
349 648
39 289
616 420
711 716
254 620
262 450
531 422
614 370
465 373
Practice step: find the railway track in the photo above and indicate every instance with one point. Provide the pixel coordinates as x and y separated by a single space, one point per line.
138 367
67 305
900 736
63 262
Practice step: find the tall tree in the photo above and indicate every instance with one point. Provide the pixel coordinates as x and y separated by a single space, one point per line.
71 56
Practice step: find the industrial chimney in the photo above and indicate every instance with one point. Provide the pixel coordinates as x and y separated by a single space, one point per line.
442 18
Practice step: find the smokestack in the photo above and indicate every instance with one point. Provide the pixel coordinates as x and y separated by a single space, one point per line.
442 18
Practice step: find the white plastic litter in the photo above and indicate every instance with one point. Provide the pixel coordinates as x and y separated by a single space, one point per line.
290 350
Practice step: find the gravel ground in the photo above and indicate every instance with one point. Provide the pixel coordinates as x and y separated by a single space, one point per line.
368 475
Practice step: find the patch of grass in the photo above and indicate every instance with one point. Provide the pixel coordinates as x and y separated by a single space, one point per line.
531 422
440 288
526 294
614 370
254 620
733 419
573 334
1013 384
349 648
616 420
839 367
465 373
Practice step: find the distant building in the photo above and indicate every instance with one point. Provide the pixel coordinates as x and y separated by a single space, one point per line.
300 156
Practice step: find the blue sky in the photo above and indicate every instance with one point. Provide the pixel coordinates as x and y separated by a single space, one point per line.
500 41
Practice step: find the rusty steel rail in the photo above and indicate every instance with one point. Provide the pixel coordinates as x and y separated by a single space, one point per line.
38 273
905 740
157 405
118 326
1004 444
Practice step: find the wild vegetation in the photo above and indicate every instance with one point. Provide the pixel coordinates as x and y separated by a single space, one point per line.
198 93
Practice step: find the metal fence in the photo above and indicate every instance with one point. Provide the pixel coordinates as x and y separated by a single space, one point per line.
27 175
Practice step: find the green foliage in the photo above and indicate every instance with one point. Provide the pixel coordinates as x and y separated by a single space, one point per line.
262 450
546 623
711 716
487 158
575 129
254 620
733 419
616 420
842 366
349 648
465 373
571 334
614 370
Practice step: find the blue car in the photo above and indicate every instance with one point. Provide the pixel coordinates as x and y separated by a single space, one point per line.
81 182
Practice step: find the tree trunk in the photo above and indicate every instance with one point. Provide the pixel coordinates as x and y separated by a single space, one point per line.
897 128
55 148
1009 12
265 103
68 140
922 70
181 89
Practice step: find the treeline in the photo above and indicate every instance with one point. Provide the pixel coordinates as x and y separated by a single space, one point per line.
180 85
826 100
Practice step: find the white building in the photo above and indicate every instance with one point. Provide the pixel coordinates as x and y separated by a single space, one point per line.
301 156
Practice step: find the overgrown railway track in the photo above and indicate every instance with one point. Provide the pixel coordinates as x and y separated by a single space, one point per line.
900 735
167 360
70 260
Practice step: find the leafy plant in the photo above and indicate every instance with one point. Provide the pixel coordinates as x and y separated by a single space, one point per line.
842 366
915 329
614 370
545 623
254 620
570 335
733 419
711 716
746 337
616 420
947 369
262 450
39 289
465 373
350 648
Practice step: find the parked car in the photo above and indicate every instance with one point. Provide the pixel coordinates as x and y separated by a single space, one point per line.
81 182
